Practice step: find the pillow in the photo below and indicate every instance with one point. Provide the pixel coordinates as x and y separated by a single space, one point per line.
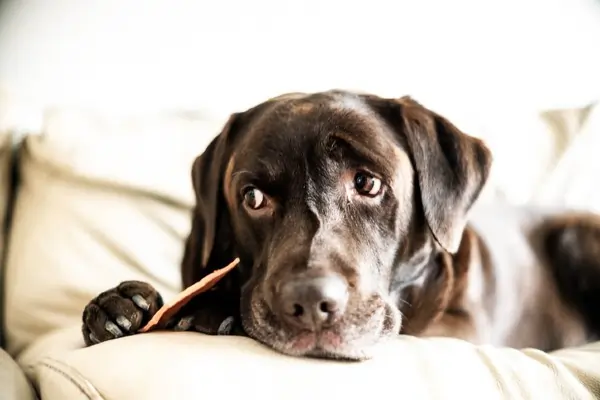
102 199
572 182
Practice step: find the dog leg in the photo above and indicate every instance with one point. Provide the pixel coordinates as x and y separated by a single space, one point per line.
120 311
208 313
571 246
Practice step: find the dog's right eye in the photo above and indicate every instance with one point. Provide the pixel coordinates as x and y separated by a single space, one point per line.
366 184
254 198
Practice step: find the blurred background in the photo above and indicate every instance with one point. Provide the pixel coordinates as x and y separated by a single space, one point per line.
224 55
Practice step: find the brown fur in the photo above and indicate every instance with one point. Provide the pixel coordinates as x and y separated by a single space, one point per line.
415 257
227 181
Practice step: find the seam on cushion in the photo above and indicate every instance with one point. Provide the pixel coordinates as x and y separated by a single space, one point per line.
79 381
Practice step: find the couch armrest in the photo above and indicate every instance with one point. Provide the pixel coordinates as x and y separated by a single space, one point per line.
13 383
164 365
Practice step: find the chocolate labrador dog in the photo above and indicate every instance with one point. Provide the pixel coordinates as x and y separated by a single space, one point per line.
354 220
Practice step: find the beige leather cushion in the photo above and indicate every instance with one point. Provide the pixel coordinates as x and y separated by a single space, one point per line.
572 182
169 365
102 200
13 382
527 149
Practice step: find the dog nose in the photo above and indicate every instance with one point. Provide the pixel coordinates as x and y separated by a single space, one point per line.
311 303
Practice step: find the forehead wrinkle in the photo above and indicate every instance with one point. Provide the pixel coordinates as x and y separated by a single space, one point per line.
372 154
358 126
260 168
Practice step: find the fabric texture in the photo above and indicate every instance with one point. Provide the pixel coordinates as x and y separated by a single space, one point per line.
165 365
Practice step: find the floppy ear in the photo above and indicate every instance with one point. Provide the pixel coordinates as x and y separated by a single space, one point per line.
451 166
208 246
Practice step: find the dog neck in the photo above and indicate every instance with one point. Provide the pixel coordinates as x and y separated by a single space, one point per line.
432 282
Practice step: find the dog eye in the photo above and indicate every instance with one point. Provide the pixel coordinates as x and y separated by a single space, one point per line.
366 184
254 198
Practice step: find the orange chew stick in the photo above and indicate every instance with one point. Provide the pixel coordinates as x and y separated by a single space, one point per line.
168 310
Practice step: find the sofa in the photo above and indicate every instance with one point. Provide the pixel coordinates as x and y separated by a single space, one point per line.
13 382
100 198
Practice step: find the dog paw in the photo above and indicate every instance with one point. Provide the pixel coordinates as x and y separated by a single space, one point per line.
198 324
205 319
120 311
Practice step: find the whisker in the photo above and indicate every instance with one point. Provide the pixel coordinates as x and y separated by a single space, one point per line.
405 302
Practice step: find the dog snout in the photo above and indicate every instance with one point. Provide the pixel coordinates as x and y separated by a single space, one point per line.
315 302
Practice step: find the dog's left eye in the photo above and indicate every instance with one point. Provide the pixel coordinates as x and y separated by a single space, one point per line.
254 198
367 184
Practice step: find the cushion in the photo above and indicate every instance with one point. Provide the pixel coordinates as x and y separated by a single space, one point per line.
101 200
164 365
569 184
13 383
528 148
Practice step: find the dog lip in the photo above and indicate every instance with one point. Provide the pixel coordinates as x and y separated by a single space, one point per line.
330 340
304 342
326 340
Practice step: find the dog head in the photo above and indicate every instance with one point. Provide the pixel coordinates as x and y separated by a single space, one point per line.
335 203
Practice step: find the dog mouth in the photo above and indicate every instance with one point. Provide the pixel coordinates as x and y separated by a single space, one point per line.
353 338
326 342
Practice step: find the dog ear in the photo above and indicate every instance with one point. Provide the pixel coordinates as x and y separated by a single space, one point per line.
208 246
451 167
